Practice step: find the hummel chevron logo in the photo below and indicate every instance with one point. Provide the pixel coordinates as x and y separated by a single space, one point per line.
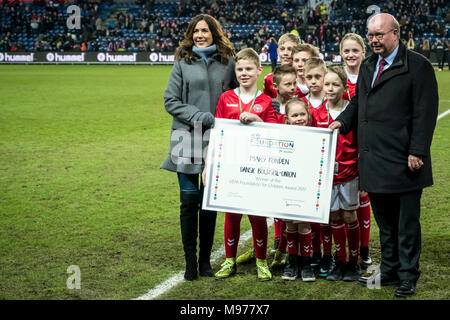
230 242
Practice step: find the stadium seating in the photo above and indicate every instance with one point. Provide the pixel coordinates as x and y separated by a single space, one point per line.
248 23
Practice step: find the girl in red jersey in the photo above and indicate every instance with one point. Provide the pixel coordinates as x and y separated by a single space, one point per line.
344 198
298 234
353 50
246 104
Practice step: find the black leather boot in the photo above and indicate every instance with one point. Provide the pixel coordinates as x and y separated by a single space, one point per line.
206 229
189 222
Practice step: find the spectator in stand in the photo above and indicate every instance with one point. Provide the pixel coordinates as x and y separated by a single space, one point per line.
410 44
439 49
410 13
426 48
271 49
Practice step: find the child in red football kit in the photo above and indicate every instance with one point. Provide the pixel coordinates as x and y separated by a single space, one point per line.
284 82
314 70
284 77
353 50
344 197
300 54
298 234
285 44
246 104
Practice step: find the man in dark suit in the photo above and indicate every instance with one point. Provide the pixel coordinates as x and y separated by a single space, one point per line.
394 112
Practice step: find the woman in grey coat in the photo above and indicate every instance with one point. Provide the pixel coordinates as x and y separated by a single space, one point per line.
203 70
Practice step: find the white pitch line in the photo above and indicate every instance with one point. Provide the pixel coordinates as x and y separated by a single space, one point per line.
443 114
179 277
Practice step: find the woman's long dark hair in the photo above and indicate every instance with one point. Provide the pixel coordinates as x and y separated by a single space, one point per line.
224 46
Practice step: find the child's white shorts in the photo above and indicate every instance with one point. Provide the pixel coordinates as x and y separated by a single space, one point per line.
345 196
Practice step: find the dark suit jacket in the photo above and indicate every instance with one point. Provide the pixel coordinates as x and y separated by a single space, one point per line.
395 118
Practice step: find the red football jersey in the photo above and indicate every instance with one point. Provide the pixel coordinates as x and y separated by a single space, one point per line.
350 93
268 86
281 118
346 167
302 90
228 107
313 104
271 92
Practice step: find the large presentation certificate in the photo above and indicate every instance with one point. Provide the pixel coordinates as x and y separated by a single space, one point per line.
270 170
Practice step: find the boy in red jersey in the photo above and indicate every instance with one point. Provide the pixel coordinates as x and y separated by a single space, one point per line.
353 50
314 71
345 197
246 104
284 77
284 82
285 44
300 54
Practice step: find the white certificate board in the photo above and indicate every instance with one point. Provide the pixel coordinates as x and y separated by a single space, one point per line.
270 170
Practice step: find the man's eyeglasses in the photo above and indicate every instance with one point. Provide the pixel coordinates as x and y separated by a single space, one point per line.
378 35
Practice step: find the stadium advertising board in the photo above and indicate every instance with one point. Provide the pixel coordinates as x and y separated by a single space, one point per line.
270 170
90 57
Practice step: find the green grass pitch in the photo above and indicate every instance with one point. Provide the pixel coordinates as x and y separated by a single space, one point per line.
80 150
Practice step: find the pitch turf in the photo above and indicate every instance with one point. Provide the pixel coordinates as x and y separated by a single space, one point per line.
80 150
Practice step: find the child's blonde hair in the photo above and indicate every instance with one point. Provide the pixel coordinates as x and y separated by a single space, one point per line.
293 101
281 71
313 51
355 37
314 62
289 37
248 54
339 70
